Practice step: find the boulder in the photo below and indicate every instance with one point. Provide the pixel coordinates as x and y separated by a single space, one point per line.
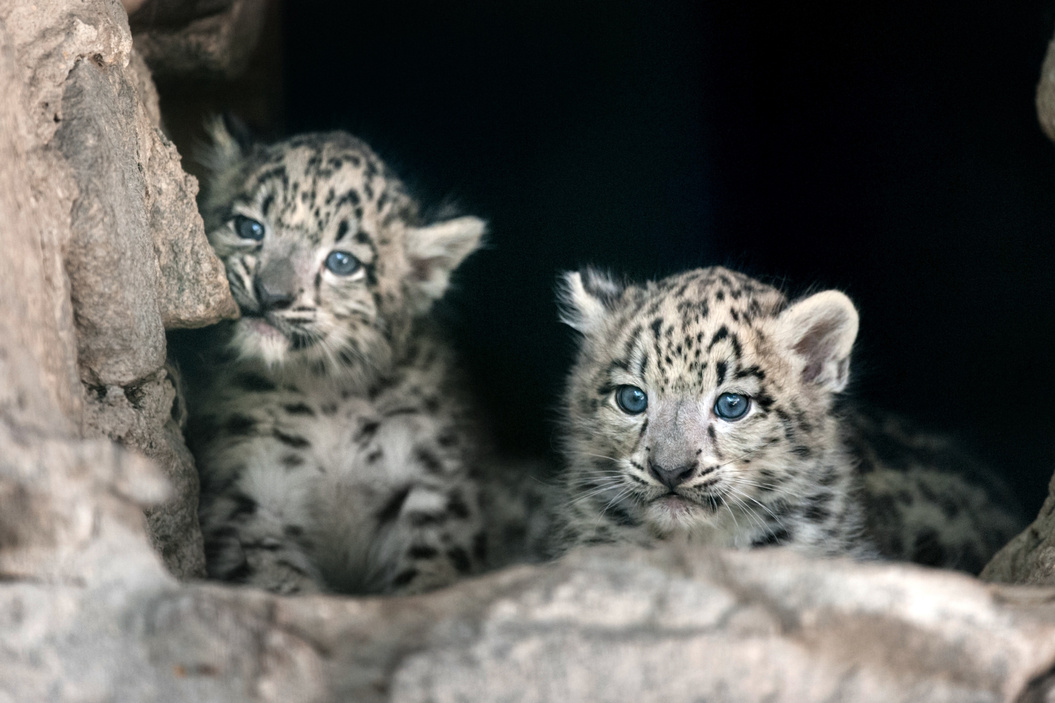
105 247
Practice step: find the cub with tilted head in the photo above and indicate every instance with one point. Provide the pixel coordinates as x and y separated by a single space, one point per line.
335 448
706 407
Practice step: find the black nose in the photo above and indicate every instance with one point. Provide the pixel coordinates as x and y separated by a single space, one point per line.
271 296
671 478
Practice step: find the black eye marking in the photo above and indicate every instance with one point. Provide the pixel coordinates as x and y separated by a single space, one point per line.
732 406
342 263
342 230
248 228
631 399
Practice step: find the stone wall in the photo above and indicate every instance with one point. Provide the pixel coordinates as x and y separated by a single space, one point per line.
106 247
104 251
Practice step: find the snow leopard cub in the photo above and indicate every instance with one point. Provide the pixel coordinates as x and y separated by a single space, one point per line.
706 407
335 449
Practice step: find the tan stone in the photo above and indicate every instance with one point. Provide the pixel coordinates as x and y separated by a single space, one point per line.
193 288
209 38
1029 558
1046 93
105 248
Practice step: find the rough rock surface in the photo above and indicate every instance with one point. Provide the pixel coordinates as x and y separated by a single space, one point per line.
1046 93
104 243
1029 558
213 38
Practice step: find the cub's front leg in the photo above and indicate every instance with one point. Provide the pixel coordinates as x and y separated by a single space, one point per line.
256 539
429 536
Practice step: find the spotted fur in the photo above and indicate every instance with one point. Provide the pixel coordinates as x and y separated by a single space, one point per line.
798 468
335 447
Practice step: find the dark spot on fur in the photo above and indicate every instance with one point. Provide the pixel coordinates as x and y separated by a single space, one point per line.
298 409
292 461
460 558
622 517
722 333
392 507
367 430
244 505
404 577
775 536
720 368
240 573
239 425
817 508
948 506
927 548
480 547
254 382
457 506
423 551
290 440
429 461
425 519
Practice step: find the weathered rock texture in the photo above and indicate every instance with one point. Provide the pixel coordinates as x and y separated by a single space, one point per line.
1030 557
214 38
1046 93
102 251
104 245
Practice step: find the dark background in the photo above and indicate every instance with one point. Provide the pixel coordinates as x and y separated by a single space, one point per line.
887 149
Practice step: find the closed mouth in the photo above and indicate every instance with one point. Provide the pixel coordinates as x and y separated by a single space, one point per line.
677 503
271 326
263 326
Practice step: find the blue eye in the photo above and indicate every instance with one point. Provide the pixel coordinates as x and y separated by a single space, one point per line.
248 228
631 399
731 406
342 263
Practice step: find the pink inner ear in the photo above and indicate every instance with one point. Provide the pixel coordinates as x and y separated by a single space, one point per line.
423 268
816 346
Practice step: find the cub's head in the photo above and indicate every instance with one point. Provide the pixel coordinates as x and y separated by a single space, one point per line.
326 253
703 392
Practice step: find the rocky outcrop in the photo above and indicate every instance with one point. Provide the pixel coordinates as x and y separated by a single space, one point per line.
103 251
88 613
1046 93
214 38
105 244
1029 558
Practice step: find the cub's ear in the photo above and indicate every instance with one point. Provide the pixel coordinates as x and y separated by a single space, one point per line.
228 144
586 297
436 250
820 331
